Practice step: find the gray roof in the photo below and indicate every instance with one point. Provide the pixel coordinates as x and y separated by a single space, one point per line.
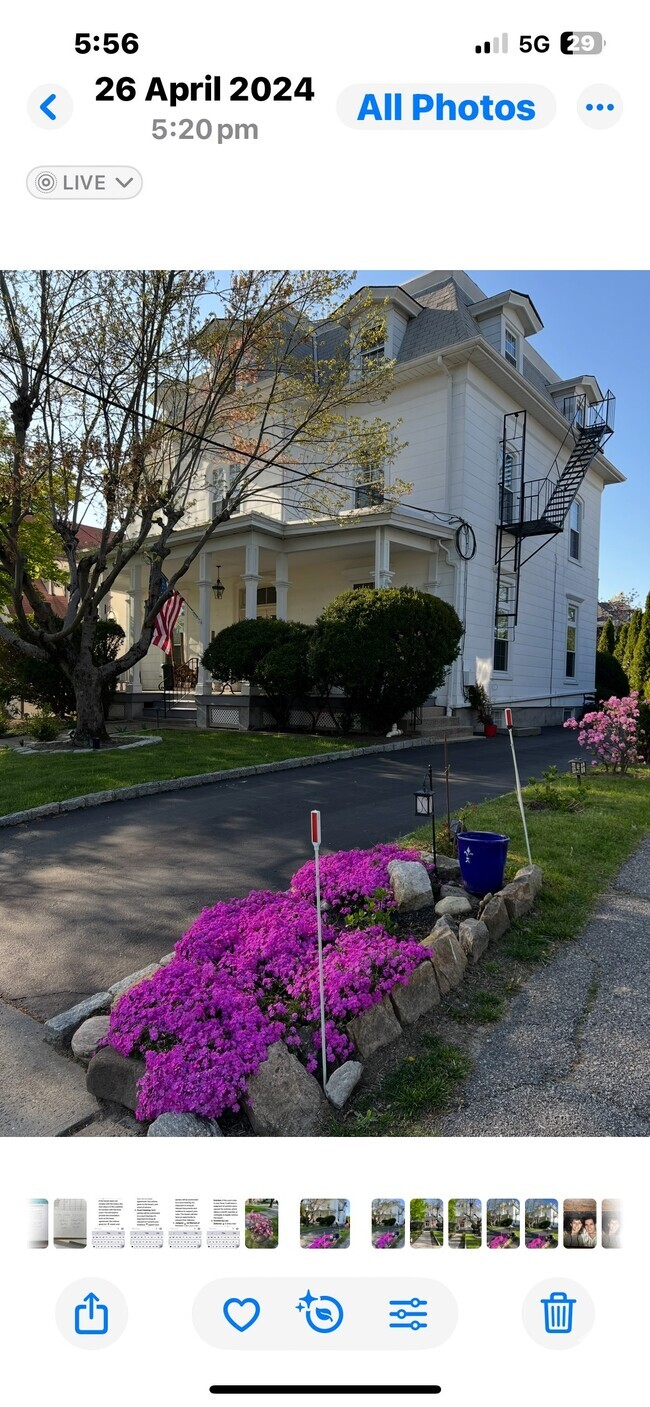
444 321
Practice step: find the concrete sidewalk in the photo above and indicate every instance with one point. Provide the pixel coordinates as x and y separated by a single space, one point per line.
572 1056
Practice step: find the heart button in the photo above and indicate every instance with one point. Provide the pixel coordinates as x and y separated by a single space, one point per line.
241 1314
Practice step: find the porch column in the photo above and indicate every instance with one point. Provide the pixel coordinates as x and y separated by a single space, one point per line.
383 574
136 615
204 681
282 585
251 577
433 572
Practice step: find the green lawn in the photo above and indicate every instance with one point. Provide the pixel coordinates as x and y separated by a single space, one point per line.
580 853
37 779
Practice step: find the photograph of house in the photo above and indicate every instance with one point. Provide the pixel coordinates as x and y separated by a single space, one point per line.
505 461
324 1223
465 1224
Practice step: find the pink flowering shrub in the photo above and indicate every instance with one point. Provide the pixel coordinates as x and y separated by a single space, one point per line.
538 1243
350 878
244 976
321 1243
612 733
498 1242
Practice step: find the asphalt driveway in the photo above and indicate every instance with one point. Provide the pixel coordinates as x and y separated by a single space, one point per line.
90 896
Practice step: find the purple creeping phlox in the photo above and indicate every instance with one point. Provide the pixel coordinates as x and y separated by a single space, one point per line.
498 1242
350 878
611 733
384 1242
538 1243
246 975
322 1243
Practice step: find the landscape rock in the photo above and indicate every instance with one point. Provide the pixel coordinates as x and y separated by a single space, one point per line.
87 1037
518 897
374 1028
455 905
283 1098
496 917
417 996
447 868
410 884
183 1126
343 1082
449 960
60 1029
474 938
114 1077
164 962
534 875
483 903
119 988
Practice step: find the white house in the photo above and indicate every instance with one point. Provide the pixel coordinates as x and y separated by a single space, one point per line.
504 456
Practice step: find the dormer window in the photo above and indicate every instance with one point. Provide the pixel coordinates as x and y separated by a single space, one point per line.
371 356
511 347
369 488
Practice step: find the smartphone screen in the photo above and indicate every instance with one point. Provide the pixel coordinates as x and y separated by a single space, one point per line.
324 703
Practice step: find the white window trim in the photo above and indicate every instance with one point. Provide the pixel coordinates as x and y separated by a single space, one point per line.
575 605
508 327
577 561
503 673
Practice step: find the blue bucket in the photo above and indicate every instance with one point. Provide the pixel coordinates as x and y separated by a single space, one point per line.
482 856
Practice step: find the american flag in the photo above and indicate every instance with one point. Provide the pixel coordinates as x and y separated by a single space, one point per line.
163 629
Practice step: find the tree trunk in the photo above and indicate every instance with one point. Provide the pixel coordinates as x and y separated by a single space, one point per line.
88 695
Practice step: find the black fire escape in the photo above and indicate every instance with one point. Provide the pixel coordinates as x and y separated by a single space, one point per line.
539 507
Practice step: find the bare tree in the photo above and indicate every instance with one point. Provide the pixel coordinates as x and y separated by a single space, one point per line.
116 387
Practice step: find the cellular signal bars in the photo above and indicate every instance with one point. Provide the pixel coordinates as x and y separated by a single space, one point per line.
494 46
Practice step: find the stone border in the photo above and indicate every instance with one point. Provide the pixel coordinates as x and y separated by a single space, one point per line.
201 779
81 751
283 1099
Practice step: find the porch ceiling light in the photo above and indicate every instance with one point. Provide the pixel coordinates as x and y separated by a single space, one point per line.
218 586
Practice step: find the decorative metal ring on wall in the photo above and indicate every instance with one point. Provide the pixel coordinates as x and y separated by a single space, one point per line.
465 542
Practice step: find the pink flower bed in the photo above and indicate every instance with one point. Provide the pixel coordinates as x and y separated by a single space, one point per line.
246 975
384 1242
321 1243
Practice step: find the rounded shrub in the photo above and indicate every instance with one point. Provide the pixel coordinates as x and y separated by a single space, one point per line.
272 655
386 649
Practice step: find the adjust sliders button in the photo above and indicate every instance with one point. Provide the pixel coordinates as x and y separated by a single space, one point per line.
84 182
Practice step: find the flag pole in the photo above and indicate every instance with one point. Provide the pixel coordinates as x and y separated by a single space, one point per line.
316 840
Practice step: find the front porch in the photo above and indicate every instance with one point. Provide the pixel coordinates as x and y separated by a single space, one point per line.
289 571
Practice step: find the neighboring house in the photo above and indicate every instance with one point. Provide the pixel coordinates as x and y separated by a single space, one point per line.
505 458
55 592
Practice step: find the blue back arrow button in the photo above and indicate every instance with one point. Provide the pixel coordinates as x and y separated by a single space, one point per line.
46 107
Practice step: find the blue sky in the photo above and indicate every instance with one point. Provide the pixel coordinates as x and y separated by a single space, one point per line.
598 323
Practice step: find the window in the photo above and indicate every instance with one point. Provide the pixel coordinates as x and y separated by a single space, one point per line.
222 480
502 627
266 603
571 641
369 488
510 471
363 585
575 531
511 347
371 357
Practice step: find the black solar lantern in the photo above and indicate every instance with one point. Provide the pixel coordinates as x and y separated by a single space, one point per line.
424 806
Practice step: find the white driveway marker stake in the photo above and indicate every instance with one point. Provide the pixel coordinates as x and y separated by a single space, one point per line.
517 781
315 840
